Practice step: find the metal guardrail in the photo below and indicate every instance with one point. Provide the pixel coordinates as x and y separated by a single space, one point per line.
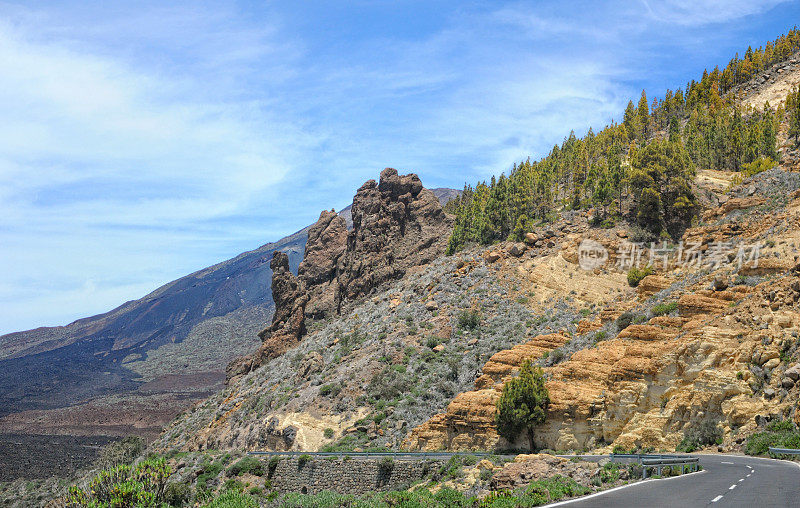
784 451
657 463
648 462
394 455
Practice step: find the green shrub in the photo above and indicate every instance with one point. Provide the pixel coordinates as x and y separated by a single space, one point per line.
757 166
635 275
469 460
123 451
124 486
233 499
303 459
619 449
707 432
233 484
249 465
779 434
385 465
176 494
663 308
328 433
331 389
781 426
609 473
629 318
469 319
210 471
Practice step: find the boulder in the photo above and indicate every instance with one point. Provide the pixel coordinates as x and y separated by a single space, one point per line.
492 256
720 284
517 249
793 372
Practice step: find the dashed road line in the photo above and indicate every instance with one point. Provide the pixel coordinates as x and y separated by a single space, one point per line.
732 487
724 462
716 499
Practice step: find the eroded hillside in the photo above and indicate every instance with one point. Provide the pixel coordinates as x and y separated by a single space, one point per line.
418 359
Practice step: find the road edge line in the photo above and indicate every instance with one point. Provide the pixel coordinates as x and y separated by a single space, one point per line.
602 492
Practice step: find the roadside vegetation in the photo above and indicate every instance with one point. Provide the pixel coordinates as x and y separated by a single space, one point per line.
523 404
778 434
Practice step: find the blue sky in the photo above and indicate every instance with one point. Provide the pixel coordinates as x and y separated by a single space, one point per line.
144 140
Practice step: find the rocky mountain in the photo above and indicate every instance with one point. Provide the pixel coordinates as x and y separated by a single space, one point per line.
133 368
705 337
397 224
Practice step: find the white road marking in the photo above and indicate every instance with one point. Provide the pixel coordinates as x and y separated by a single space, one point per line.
634 484
748 476
732 487
716 499
724 462
741 480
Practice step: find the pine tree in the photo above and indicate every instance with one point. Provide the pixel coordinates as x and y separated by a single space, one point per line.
523 404
643 115
630 121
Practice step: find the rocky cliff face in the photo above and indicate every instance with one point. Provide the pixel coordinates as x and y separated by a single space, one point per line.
397 224
728 351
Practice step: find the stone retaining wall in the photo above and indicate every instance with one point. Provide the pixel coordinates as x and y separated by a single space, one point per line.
354 476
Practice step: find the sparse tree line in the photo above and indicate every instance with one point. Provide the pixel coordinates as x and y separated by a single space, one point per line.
641 169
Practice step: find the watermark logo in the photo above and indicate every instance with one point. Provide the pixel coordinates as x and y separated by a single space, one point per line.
591 254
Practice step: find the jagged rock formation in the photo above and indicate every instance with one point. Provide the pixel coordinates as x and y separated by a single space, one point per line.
397 224
327 241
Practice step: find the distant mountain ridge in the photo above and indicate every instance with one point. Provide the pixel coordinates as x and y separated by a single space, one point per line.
168 343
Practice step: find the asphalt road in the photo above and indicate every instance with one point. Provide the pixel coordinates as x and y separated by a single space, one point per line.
726 481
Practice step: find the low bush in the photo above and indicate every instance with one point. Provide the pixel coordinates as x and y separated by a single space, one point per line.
778 434
124 486
538 493
385 465
609 473
233 499
303 459
635 275
330 389
758 166
469 319
176 494
628 318
123 451
662 309
249 465
707 432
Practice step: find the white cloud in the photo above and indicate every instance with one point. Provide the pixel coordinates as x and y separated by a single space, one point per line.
93 148
138 144
703 12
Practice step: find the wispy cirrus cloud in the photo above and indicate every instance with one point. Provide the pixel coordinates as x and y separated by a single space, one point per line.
703 12
141 142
